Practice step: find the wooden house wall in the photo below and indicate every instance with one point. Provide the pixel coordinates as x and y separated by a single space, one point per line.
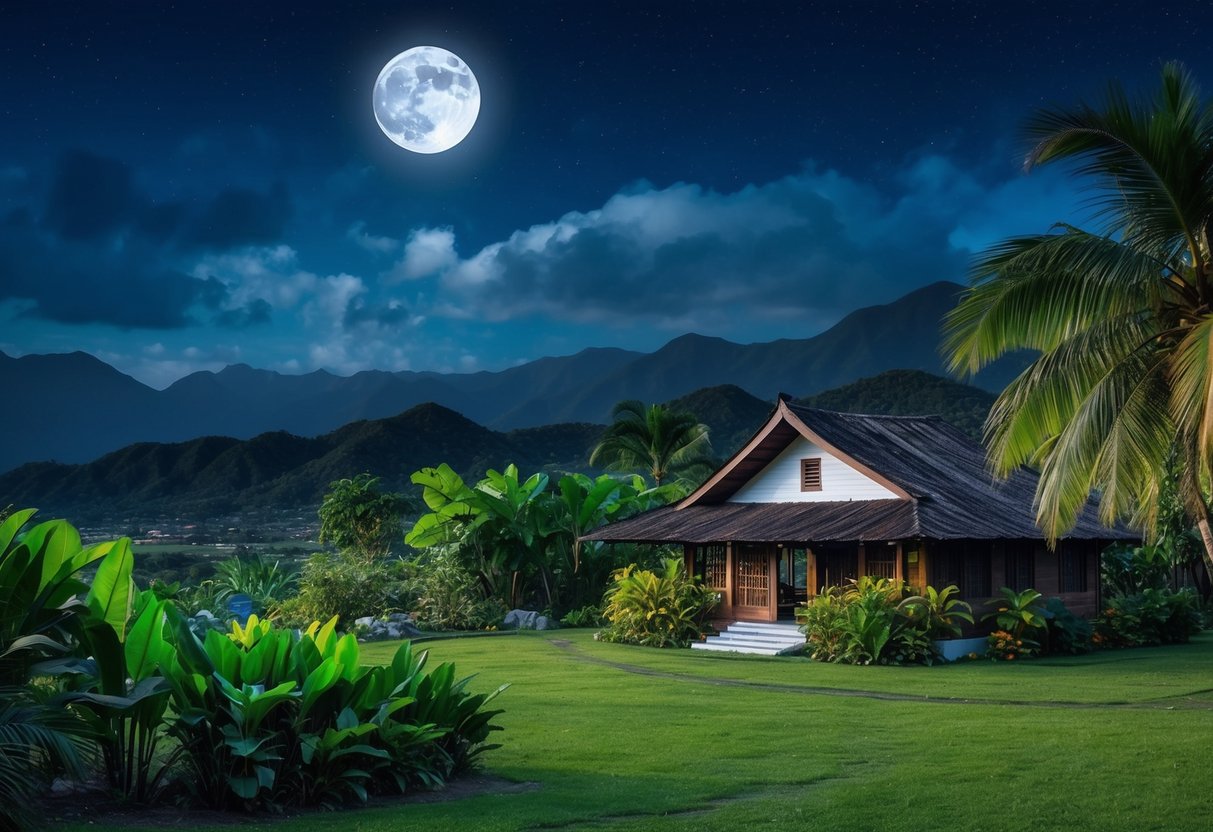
779 481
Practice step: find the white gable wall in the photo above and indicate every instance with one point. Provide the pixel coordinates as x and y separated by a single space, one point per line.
779 481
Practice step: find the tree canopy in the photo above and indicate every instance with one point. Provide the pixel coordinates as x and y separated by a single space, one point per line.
1120 315
360 519
655 440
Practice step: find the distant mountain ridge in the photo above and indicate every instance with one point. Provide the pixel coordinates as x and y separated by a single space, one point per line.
74 408
214 476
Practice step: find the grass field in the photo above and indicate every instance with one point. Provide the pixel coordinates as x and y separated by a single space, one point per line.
626 738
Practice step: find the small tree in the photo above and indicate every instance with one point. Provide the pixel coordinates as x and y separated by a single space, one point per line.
660 442
360 520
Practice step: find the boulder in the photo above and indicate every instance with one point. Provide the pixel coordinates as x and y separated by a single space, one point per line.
520 620
528 620
365 621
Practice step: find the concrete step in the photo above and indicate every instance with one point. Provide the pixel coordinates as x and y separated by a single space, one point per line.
778 630
752 642
758 638
717 647
766 639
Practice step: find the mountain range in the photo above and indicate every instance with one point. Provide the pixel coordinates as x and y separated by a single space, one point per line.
213 476
73 408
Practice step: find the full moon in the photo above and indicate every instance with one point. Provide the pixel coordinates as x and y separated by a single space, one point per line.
426 99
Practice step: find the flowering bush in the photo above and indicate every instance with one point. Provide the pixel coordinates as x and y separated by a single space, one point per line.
1004 646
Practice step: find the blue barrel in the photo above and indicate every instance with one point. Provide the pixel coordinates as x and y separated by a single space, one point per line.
241 607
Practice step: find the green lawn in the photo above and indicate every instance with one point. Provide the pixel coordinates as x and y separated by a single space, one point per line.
630 738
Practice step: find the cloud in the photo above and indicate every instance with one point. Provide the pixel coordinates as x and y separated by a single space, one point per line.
70 281
358 234
240 217
253 313
99 249
427 252
805 248
91 196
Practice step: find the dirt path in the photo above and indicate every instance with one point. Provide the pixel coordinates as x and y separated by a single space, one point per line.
1178 701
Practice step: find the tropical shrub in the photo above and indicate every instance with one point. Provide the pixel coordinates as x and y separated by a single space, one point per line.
824 623
1066 632
938 611
270 717
348 589
363 522
42 617
870 621
1021 616
265 582
258 717
123 696
449 596
1128 570
665 608
588 616
521 540
1148 618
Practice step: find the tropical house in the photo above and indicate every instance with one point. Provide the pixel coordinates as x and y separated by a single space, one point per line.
817 497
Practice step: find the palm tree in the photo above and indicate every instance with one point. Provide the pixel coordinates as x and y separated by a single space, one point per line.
654 439
1122 318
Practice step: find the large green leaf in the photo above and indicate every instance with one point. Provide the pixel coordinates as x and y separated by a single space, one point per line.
145 645
11 525
111 594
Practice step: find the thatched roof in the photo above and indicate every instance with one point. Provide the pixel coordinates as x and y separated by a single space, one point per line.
946 491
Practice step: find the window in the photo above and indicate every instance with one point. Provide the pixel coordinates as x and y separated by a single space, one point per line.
965 563
947 565
880 561
1073 567
709 564
810 474
1021 565
977 571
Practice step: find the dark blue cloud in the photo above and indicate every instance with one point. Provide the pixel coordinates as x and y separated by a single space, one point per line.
241 216
254 313
91 196
101 250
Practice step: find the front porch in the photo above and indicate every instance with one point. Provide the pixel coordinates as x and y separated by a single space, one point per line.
765 582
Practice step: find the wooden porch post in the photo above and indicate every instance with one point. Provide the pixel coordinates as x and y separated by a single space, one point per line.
899 574
773 583
730 567
861 566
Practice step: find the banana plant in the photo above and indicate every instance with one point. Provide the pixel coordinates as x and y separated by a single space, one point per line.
43 612
122 692
1018 613
939 610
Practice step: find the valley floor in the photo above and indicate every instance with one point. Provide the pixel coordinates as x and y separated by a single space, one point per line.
626 738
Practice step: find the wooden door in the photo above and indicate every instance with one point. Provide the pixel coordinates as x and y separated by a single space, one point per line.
753 565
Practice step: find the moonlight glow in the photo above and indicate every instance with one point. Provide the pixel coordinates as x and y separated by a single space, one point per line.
426 99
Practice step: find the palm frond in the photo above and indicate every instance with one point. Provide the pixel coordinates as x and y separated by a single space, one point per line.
1036 406
1035 292
1140 157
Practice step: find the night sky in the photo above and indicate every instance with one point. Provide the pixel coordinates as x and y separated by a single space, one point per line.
184 187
